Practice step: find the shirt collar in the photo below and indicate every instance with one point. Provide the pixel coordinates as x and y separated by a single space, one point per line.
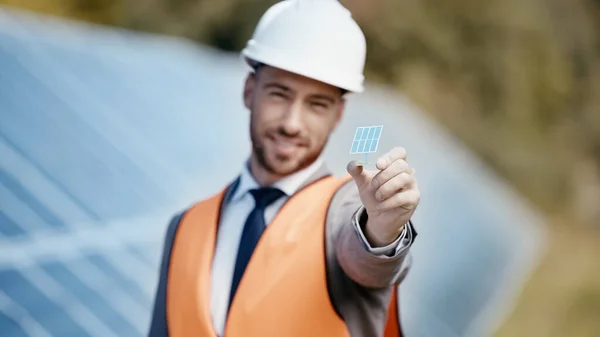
289 185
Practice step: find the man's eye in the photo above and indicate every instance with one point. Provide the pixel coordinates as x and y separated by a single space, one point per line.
318 105
277 94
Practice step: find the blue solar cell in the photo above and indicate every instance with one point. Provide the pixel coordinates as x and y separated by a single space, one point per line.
358 134
96 302
374 145
11 328
371 133
30 200
365 133
139 255
378 132
9 228
122 281
354 146
368 145
363 145
50 316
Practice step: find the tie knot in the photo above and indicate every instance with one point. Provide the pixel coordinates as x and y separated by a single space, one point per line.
265 196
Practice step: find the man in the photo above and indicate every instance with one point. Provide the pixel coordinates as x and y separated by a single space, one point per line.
319 256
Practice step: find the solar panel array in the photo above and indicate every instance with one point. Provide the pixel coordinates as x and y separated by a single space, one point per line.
98 149
366 139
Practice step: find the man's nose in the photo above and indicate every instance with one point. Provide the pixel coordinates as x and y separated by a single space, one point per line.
292 123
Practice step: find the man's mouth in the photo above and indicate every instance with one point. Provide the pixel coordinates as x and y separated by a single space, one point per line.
285 146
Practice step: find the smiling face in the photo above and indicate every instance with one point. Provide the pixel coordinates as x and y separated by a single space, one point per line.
291 119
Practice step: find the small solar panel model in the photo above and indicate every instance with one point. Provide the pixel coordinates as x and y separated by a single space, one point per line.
366 140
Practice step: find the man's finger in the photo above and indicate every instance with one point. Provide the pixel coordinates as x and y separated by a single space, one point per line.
390 172
394 185
387 159
408 199
358 172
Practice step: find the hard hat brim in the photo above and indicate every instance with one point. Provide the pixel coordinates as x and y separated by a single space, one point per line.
255 54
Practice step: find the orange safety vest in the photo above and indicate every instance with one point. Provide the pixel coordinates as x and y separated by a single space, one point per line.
283 291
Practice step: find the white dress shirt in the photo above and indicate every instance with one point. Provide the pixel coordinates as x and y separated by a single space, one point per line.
233 217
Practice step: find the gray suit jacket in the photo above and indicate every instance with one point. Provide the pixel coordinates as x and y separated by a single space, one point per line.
360 283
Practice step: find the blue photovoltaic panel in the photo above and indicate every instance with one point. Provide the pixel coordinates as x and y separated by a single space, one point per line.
366 139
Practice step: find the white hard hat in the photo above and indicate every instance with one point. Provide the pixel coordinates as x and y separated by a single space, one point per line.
314 38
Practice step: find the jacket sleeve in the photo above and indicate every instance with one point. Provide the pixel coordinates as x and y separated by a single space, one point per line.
361 281
404 241
368 268
158 324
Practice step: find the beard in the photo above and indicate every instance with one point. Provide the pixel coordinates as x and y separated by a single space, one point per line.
280 165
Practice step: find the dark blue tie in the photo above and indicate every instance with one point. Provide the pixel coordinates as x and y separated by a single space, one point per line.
253 229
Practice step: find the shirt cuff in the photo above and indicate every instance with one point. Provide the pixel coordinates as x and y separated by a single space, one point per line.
402 242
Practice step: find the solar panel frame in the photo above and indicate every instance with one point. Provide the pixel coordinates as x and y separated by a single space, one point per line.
366 139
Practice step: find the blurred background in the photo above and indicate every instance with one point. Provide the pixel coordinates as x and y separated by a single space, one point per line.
110 111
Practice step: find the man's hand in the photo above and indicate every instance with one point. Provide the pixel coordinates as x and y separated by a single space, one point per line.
389 196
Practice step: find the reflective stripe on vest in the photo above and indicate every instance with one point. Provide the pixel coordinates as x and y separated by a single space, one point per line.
284 289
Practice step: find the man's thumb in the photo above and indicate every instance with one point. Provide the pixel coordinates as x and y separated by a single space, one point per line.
357 172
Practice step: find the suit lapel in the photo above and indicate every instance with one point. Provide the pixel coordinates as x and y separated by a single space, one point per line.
231 190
